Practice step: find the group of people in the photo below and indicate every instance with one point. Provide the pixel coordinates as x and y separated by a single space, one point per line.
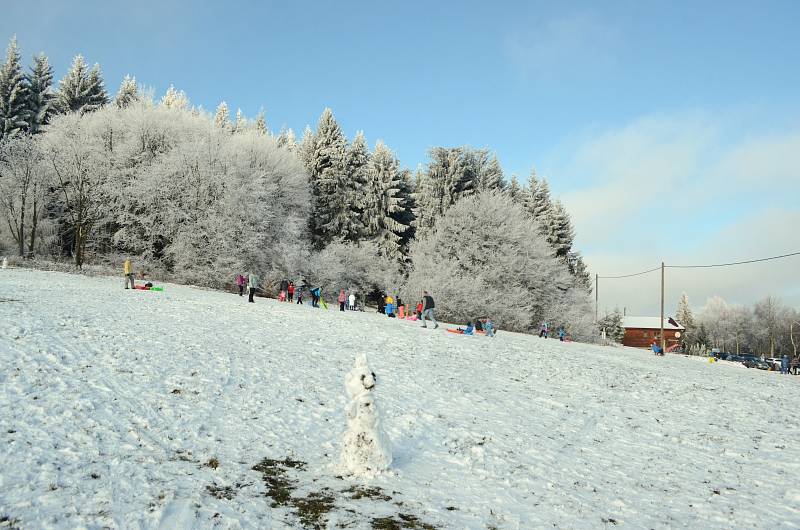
481 325
544 331
395 308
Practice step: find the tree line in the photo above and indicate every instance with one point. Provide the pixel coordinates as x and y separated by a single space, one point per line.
199 196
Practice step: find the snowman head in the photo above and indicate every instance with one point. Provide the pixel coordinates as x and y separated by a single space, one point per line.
361 378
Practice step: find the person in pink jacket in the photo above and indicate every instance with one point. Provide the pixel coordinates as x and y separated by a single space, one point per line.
241 281
342 300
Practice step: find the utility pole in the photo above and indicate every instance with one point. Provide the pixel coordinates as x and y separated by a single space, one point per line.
663 342
596 281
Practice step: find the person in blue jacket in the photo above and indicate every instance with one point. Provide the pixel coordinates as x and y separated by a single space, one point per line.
469 330
785 364
656 348
315 292
562 334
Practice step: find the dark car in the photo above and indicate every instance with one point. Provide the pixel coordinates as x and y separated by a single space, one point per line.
750 361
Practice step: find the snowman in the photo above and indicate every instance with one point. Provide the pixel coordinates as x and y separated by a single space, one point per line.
366 450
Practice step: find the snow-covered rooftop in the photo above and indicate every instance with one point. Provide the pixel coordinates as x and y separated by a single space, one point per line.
648 323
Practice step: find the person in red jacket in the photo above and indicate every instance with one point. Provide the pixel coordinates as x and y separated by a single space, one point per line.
290 292
342 299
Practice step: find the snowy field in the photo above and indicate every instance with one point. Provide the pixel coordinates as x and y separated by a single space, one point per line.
130 409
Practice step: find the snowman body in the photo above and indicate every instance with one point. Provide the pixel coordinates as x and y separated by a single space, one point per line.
365 450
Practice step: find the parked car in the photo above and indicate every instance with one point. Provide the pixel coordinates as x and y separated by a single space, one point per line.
750 361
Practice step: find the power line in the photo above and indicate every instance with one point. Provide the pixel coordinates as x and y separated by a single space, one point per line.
729 264
628 275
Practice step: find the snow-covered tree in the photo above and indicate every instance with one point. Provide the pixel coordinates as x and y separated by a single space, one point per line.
515 191
382 199
241 121
357 175
441 187
305 150
685 317
612 325
491 176
13 94
81 90
541 205
261 124
78 165
332 215
769 314
41 99
128 92
528 194
22 187
560 233
175 99
222 119
486 257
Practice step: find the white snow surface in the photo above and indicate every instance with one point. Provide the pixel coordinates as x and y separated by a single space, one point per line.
112 401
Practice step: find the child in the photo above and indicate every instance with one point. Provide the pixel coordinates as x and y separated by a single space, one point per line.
342 299
469 330
290 292
299 295
389 306
352 300
562 334
488 327
241 282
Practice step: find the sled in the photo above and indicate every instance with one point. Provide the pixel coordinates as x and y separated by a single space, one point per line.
401 312
157 289
141 288
324 305
456 331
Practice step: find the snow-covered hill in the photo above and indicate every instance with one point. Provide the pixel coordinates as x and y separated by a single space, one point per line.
194 409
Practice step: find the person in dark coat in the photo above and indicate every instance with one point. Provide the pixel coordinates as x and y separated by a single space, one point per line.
427 309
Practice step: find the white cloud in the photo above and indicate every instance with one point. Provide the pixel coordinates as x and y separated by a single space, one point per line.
680 189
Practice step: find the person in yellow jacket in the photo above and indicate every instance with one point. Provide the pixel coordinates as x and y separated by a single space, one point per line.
128 269
389 306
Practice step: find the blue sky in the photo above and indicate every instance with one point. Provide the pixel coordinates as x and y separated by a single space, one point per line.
670 130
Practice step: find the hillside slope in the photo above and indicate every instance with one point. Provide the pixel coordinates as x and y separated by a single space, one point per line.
132 409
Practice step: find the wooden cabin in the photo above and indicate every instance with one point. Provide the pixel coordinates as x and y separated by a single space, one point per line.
641 331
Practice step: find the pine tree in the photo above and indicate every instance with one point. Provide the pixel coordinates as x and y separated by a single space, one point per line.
685 318
222 118
291 141
13 93
560 233
241 121
175 99
97 95
514 191
528 195
40 94
579 270
383 201
489 174
128 93
541 205
331 211
612 325
446 181
261 124
306 149
405 216
356 169
81 90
